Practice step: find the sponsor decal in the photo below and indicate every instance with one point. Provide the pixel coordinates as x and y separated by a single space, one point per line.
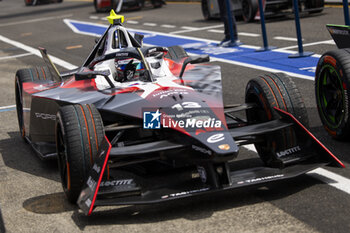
116 182
45 116
154 119
88 202
122 54
185 193
216 138
288 151
260 179
163 94
151 120
201 149
339 32
91 183
191 123
224 147
96 168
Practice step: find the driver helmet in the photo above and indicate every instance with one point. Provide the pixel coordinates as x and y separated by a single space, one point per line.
128 70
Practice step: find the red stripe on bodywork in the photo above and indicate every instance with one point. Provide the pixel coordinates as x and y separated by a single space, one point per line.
101 175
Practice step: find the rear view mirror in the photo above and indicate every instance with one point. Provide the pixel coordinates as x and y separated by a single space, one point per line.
85 74
139 38
193 60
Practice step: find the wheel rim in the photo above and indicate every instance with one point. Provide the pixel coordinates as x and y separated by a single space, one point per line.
62 161
330 96
19 108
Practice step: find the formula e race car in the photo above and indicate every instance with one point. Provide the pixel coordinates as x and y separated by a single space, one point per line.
120 5
138 125
332 81
35 2
249 9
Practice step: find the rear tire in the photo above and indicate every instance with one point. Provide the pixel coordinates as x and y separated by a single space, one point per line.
313 4
249 9
269 91
23 76
206 10
28 2
157 3
79 132
102 10
332 98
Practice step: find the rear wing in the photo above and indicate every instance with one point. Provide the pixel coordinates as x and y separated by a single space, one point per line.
52 68
340 35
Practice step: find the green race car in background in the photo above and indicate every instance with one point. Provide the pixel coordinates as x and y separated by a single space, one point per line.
332 81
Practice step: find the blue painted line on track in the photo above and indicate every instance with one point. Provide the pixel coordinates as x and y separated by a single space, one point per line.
7 109
304 66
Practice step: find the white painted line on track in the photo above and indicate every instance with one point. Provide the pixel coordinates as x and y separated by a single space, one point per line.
36 52
150 24
7 107
328 177
132 22
332 179
15 56
239 33
216 31
189 28
93 17
34 20
168 26
248 34
308 44
197 29
262 68
285 38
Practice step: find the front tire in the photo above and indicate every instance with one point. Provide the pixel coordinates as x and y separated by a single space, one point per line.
269 91
79 132
333 101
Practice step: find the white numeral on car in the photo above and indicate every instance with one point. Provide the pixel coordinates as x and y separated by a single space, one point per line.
183 105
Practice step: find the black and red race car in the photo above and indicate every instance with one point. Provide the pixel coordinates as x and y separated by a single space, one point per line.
121 5
35 2
138 125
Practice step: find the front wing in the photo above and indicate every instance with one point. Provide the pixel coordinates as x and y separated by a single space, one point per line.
185 184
